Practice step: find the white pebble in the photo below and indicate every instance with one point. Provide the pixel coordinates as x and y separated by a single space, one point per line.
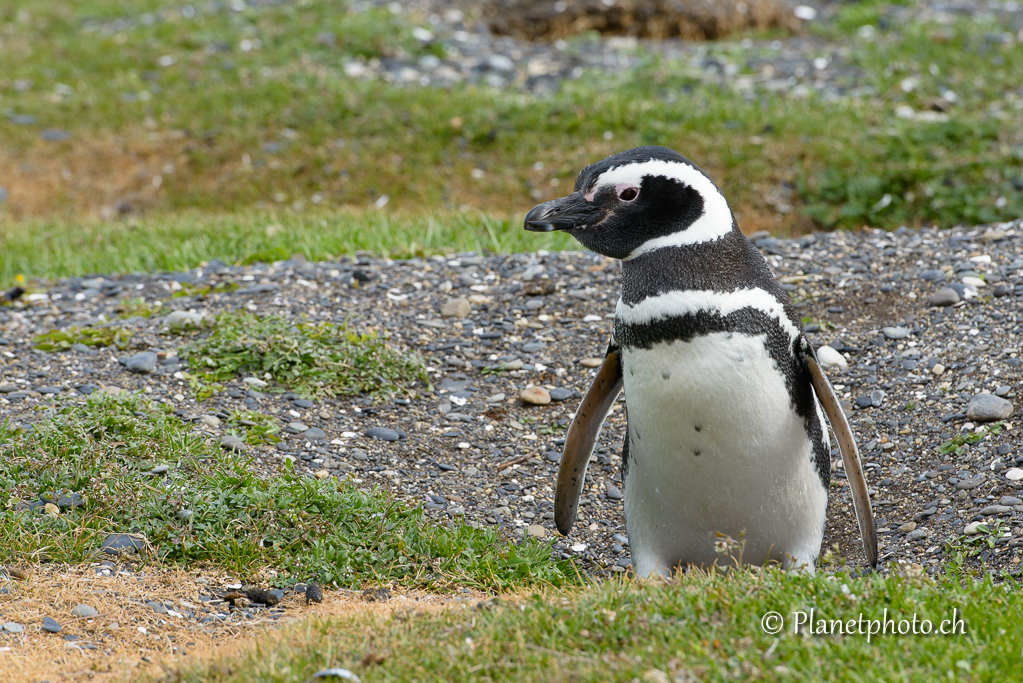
831 358
805 12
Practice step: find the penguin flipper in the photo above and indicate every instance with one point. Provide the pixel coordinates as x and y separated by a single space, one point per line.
582 435
850 456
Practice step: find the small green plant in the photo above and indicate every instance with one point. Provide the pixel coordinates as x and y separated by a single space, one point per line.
313 359
958 443
986 538
552 428
63 340
255 428
822 324
210 507
137 306
188 289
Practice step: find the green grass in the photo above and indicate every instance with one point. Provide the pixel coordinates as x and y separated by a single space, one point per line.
253 427
58 248
700 628
285 126
62 340
211 508
313 359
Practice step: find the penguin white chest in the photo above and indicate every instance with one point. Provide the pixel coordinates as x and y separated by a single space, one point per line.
715 447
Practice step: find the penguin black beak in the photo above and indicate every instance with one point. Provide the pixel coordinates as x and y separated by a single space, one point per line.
567 213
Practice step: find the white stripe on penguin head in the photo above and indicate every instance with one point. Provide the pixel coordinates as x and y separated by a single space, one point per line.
714 223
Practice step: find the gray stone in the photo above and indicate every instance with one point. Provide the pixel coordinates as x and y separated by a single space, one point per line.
895 332
84 612
946 296
988 408
968 484
314 433
360 454
70 501
613 492
160 469
81 348
55 135
232 443
123 544
156 606
916 535
297 427
500 62
1010 501
877 398
259 289
456 308
995 510
50 625
12 627
142 363
382 434
560 394
533 346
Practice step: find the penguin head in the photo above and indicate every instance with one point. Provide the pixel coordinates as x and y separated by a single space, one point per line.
636 201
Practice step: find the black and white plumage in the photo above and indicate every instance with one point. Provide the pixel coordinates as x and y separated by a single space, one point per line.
726 428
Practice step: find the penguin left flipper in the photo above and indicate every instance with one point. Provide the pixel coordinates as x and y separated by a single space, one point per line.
582 435
847 445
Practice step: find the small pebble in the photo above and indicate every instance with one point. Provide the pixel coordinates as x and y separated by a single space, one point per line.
535 396
84 612
232 443
946 296
382 434
830 358
456 308
142 363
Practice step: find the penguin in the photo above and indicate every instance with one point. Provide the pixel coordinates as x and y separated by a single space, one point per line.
726 457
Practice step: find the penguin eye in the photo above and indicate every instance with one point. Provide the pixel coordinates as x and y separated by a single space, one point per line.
627 193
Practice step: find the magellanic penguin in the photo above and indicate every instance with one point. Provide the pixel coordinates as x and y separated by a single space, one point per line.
726 435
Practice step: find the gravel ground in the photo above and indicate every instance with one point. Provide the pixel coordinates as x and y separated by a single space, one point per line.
491 327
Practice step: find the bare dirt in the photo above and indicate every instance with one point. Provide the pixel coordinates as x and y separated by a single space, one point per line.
656 19
128 640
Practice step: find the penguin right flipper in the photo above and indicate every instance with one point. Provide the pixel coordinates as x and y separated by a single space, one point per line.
850 456
582 436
